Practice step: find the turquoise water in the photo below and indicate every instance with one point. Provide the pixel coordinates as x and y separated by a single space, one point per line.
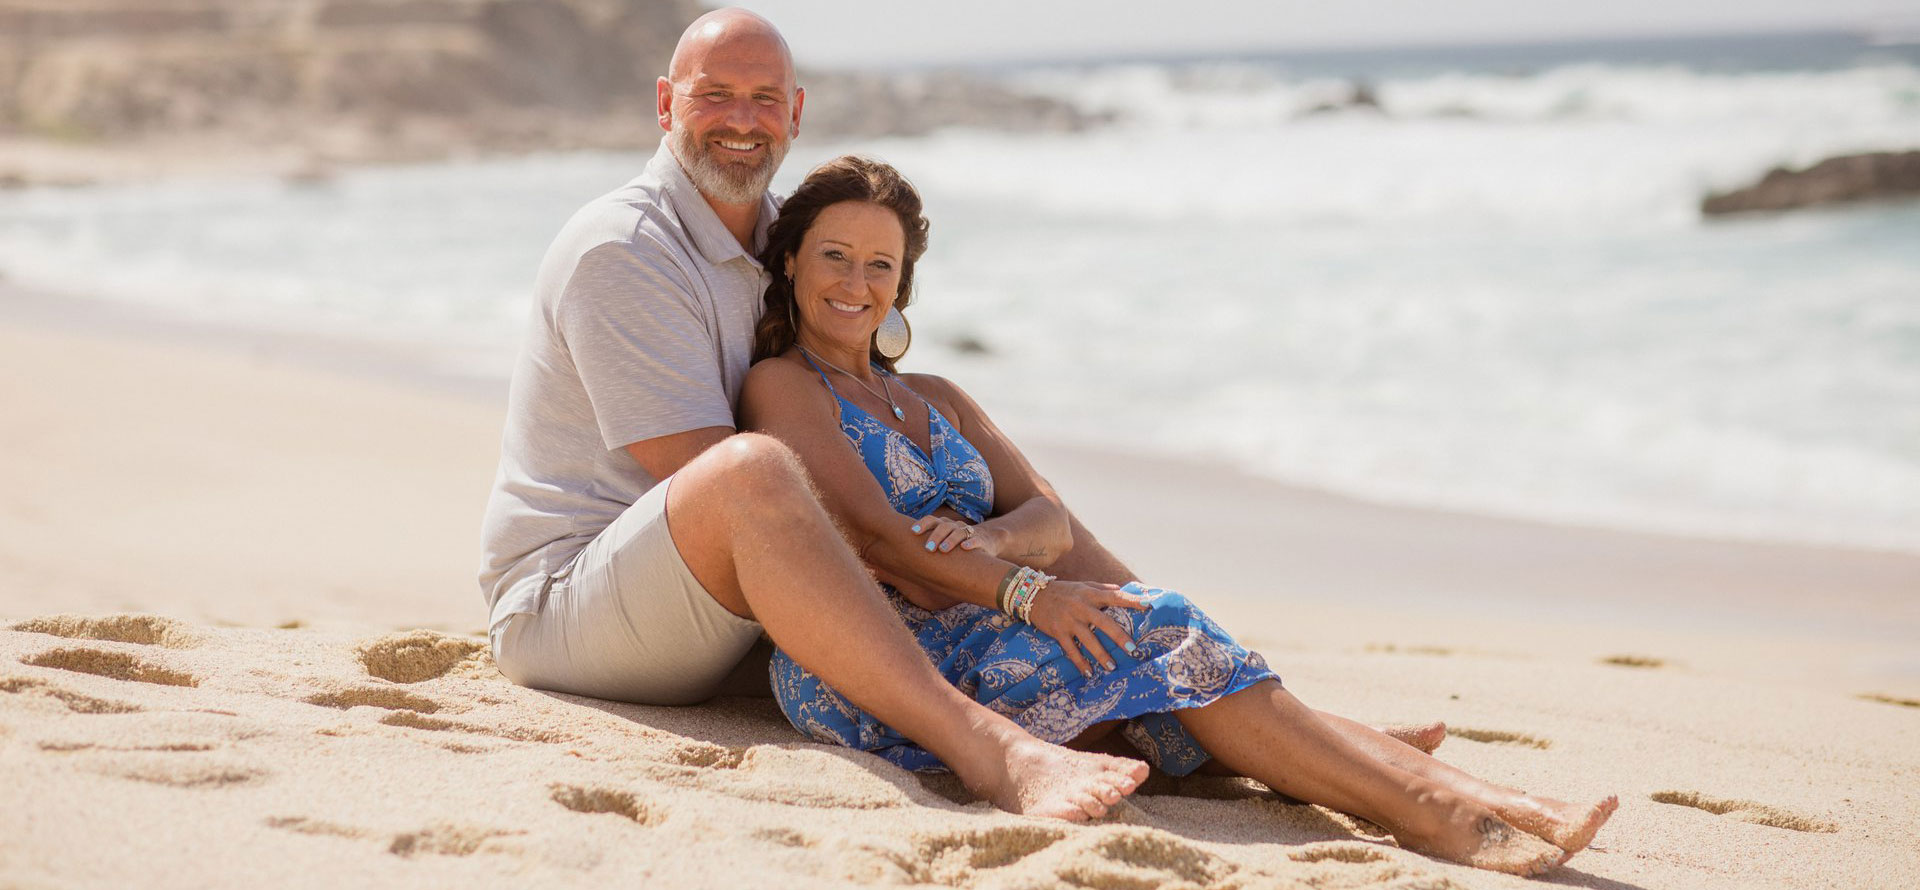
1496 293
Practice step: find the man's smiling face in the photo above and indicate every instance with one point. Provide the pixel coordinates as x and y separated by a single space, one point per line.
731 110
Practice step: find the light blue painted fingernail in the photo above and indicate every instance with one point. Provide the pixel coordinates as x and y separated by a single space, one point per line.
929 545
916 528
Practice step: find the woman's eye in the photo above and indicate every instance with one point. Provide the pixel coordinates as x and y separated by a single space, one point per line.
835 255
883 265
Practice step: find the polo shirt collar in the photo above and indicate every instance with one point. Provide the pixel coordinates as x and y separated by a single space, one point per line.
709 234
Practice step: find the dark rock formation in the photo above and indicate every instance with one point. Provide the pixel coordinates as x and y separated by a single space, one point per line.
1835 180
1360 95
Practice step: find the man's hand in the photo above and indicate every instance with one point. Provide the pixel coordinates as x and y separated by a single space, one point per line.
1069 612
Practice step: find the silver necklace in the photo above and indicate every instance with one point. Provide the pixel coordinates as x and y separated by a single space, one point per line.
887 395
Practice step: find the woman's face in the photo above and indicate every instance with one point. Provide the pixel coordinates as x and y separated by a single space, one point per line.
847 272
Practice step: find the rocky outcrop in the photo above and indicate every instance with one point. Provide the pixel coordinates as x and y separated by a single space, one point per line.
1836 180
349 80
110 69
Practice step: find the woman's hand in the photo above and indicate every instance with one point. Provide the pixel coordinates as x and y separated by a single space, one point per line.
1069 612
944 534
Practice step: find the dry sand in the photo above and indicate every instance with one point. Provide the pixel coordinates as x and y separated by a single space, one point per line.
168 505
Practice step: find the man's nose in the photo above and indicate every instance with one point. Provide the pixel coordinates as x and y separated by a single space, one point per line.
740 115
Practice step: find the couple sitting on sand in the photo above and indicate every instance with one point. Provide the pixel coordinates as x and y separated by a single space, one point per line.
638 546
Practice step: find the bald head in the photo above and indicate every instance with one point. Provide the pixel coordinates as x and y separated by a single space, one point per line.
732 32
730 106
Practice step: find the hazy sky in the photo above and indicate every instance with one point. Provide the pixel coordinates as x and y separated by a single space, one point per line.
883 32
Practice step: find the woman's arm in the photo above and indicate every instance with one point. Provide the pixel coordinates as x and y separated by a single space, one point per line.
1030 524
786 401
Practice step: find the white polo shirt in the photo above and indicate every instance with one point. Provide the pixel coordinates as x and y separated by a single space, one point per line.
642 327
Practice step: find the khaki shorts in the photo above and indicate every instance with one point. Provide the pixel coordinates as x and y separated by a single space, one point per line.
626 621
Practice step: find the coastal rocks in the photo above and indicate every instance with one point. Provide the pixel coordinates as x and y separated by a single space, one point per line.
1835 180
328 82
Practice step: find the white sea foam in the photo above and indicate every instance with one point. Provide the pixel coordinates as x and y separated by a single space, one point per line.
1494 293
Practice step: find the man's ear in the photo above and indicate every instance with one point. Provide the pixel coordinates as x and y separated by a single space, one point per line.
664 102
799 99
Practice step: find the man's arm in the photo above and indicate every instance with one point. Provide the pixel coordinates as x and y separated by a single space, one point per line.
663 456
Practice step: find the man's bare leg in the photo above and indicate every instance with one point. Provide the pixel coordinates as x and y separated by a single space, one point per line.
1264 732
746 520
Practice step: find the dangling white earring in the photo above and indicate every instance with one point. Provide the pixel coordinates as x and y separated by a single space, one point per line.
894 335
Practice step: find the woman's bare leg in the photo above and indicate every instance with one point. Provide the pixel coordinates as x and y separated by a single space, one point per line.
1267 734
751 529
1568 826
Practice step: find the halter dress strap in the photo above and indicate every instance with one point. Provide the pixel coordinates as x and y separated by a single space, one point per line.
823 375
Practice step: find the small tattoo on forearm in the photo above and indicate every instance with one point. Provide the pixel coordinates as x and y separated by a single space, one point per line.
1035 553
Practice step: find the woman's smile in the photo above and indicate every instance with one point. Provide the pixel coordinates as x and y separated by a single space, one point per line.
845 276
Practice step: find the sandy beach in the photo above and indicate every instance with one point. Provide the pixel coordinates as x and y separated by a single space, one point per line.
242 647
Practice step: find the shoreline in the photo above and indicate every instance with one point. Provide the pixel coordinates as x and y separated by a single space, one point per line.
1847 610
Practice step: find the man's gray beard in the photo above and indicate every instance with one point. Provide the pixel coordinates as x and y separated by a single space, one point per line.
721 181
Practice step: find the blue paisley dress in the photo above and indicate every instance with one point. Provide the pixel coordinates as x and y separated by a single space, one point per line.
1184 659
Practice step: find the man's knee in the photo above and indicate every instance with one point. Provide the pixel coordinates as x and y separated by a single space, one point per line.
757 471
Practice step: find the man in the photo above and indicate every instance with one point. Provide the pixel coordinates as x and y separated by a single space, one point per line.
636 546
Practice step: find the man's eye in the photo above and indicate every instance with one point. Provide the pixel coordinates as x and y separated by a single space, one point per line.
765 99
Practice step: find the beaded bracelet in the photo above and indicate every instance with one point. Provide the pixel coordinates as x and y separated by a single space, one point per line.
1026 584
1007 585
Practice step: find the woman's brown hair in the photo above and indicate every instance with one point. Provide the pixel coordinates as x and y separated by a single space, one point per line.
845 178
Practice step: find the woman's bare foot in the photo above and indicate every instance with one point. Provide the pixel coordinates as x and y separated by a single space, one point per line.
1423 736
1462 831
1570 827
1038 779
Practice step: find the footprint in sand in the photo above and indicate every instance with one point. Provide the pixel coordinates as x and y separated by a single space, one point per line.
952 859
385 697
448 839
114 665
411 720
1634 661
593 801
1145 857
319 827
1889 700
416 656
144 630
440 839
1746 811
700 755
1356 854
785 837
1499 737
180 771
40 690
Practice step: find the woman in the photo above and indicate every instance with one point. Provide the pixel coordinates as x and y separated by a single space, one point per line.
947 510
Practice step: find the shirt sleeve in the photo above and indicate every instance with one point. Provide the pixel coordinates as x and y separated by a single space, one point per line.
641 345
